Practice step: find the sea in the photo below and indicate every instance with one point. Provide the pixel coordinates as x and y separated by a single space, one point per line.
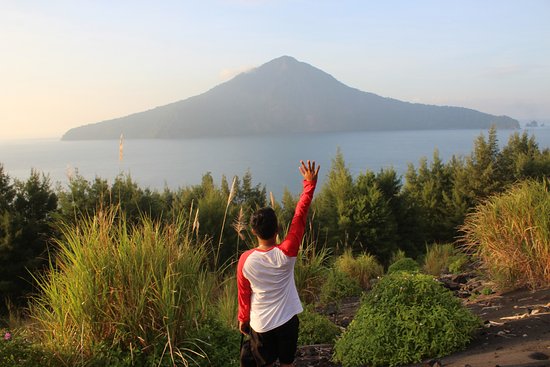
273 160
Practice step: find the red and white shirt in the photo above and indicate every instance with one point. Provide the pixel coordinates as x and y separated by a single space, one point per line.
265 278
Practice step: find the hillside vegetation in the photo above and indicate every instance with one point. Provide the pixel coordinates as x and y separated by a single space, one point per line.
98 274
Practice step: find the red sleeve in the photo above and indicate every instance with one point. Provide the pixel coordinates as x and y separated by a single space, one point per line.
291 244
244 289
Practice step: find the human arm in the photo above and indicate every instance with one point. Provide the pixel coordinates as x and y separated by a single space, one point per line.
291 244
244 296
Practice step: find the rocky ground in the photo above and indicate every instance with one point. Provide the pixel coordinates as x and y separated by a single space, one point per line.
516 332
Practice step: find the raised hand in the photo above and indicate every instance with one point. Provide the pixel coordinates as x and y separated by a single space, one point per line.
309 171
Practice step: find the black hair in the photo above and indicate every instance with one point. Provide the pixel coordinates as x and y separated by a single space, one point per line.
264 223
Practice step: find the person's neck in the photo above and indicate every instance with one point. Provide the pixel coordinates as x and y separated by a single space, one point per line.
267 244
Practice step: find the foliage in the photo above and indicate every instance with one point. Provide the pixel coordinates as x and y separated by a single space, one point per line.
226 306
396 256
219 344
337 286
428 192
510 234
358 213
18 350
405 318
458 262
405 264
26 214
142 288
438 258
310 269
362 268
316 328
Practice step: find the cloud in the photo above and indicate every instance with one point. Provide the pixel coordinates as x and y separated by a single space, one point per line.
228 73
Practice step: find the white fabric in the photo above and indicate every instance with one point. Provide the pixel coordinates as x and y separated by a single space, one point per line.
274 297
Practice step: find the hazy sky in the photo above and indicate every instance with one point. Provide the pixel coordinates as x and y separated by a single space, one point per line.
65 63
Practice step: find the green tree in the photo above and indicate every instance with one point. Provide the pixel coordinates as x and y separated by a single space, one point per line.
372 226
25 230
331 203
521 158
7 192
249 195
482 175
82 197
429 191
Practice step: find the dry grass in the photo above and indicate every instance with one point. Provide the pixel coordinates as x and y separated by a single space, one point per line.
510 234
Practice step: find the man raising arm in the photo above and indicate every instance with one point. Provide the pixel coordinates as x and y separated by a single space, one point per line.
268 299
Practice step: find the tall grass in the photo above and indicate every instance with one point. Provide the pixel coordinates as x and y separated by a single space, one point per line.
510 234
310 270
143 288
363 268
438 258
226 302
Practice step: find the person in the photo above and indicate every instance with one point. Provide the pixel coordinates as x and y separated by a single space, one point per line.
267 295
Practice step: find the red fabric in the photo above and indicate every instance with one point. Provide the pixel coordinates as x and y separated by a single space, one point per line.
289 246
244 289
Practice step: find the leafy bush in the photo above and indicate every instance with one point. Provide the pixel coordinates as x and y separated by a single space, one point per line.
363 268
17 350
405 318
337 286
316 328
510 234
405 264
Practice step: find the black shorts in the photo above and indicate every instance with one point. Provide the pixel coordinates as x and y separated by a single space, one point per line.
280 343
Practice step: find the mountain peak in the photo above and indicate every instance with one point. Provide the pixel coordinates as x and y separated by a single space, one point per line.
284 95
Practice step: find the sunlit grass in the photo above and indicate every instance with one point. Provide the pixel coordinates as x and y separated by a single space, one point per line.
510 234
363 268
142 288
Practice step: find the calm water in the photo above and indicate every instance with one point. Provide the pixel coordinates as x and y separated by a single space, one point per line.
272 160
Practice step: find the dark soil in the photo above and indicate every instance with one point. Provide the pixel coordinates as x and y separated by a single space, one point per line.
516 331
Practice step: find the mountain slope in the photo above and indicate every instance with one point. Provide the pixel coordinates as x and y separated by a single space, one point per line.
284 95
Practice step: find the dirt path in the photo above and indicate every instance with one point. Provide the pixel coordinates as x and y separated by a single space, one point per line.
517 332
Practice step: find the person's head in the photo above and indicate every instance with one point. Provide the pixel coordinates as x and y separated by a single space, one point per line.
264 223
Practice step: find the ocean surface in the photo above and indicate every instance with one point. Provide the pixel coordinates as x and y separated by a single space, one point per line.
273 160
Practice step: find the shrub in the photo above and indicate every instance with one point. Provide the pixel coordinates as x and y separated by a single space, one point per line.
438 258
316 328
363 268
406 264
337 286
405 318
17 350
510 234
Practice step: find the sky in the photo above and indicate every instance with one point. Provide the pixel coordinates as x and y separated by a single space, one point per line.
66 63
